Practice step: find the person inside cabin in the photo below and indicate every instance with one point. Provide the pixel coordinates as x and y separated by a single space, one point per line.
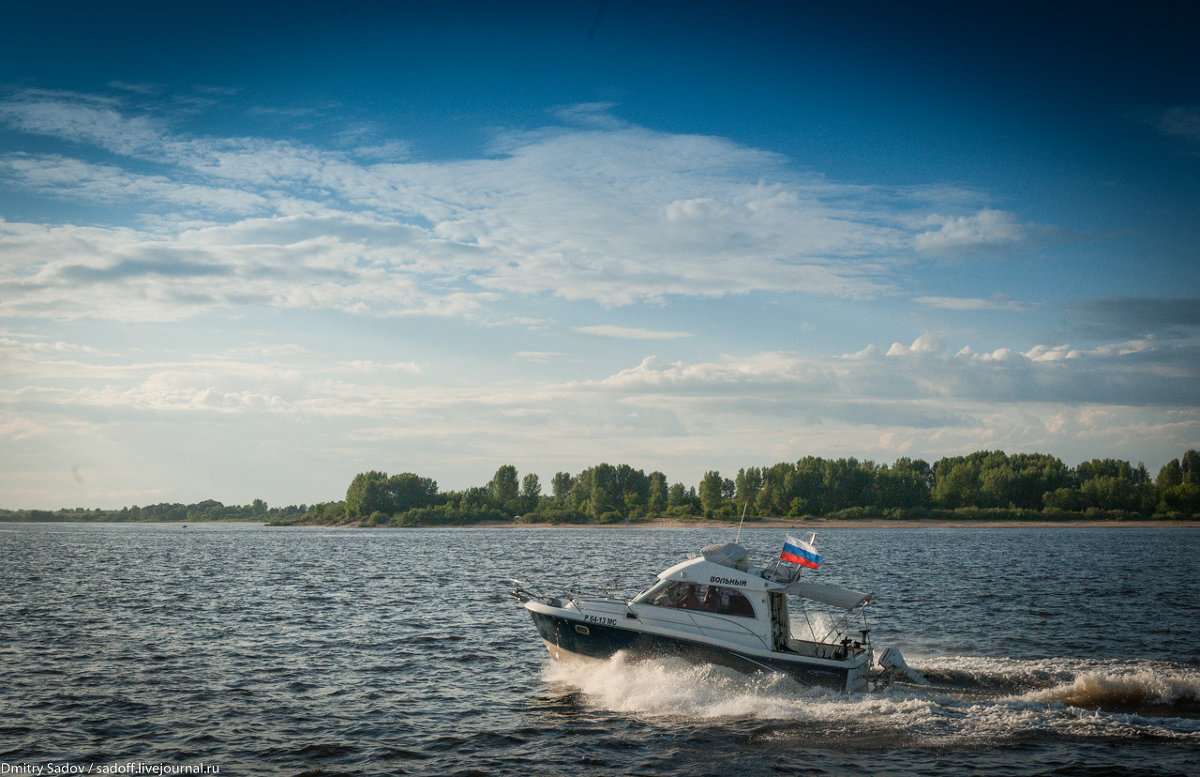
689 600
710 599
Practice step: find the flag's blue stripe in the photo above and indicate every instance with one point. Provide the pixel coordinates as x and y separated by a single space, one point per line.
801 552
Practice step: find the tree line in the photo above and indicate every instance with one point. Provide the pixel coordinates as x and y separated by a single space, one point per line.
984 485
166 512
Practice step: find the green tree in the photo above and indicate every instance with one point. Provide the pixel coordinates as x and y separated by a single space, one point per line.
375 492
805 488
1097 468
656 492
633 488
1189 468
367 494
711 497
956 482
604 492
1170 475
408 491
747 484
531 491
561 486
1184 498
847 483
1034 474
773 496
1109 493
505 485
677 495
905 485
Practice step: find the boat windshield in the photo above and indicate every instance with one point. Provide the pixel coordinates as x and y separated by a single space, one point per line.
705 598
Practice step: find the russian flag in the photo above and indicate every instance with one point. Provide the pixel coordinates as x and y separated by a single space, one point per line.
799 552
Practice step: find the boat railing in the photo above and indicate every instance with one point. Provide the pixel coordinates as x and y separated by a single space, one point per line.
770 567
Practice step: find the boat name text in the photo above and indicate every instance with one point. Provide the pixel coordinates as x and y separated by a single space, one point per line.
727 581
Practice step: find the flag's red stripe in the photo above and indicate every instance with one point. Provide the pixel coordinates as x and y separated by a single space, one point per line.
797 560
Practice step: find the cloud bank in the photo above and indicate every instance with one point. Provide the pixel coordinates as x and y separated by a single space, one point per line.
594 210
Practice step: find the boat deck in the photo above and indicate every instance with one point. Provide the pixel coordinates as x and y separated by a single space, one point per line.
823 649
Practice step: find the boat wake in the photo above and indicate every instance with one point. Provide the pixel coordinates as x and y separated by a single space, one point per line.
969 701
1116 692
1113 685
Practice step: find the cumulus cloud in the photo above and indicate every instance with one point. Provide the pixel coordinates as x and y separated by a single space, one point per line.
1141 372
986 229
926 344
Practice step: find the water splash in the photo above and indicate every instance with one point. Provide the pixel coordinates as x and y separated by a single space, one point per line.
1126 690
974 701
669 687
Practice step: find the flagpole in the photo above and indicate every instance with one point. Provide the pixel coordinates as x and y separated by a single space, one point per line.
739 533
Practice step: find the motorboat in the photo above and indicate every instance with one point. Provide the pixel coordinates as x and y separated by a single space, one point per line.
719 607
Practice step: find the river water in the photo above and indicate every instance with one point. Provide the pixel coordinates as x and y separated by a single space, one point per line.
145 649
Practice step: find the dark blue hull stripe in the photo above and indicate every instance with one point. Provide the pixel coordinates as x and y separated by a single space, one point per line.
597 641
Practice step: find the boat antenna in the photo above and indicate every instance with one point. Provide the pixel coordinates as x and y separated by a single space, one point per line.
739 534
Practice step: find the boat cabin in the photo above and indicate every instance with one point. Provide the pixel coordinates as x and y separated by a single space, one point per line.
719 594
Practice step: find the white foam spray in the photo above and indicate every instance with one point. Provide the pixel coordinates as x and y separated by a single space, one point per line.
985 701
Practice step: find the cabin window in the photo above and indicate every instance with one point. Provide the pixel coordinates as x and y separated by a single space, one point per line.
705 598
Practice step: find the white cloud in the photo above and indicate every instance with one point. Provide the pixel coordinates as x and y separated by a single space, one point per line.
986 229
63 177
15 427
294 380
925 344
596 210
600 210
972 304
683 417
630 333
1044 353
366 366
83 118
538 357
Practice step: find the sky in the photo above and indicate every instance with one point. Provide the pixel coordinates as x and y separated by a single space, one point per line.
248 250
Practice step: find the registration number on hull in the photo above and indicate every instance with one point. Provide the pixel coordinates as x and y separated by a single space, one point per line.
599 620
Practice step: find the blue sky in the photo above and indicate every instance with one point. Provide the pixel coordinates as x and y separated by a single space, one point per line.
248 251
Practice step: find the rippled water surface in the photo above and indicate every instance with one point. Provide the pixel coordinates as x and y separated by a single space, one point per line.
317 651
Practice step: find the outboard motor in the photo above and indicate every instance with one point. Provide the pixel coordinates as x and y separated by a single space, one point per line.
893 665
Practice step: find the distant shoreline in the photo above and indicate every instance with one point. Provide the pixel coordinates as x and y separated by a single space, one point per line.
812 524
817 524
